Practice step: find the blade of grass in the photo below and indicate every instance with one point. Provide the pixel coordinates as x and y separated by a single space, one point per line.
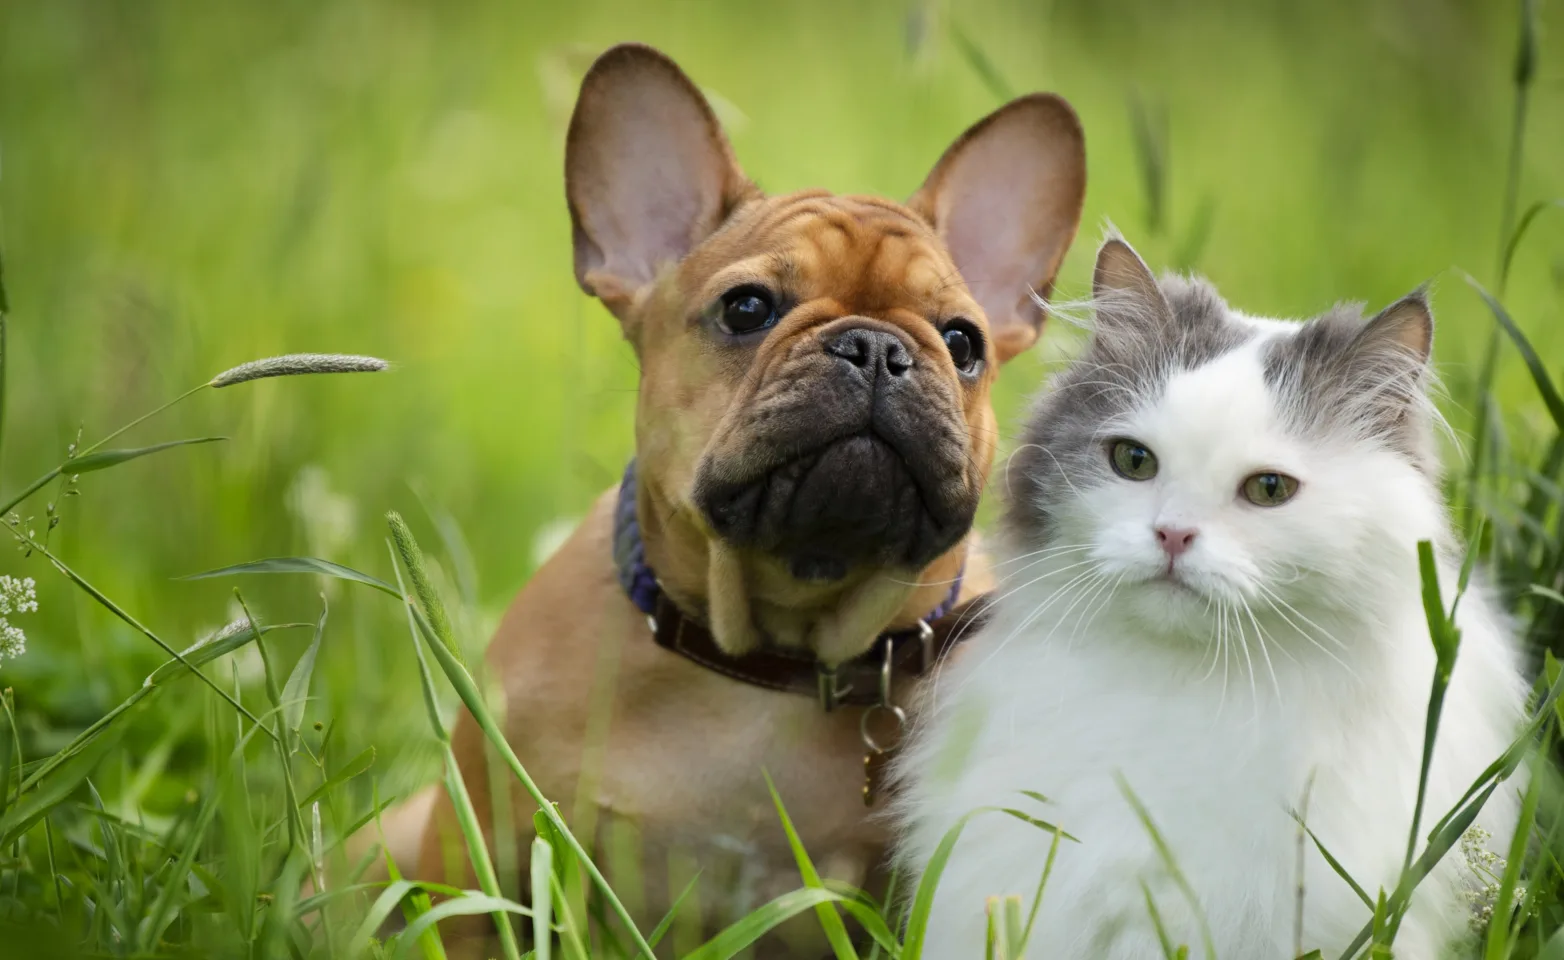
10 752
388 901
469 903
51 790
467 690
461 801
1507 762
353 768
1534 363
1165 853
1336 865
1524 224
92 462
297 690
666 923
542 867
135 624
5 357
982 65
1447 641
923 896
1156 922
757 924
200 653
1438 845
281 738
1524 72
1498 946
573 935
1150 126
1546 594
415 906
830 920
162 909
298 565
1037 898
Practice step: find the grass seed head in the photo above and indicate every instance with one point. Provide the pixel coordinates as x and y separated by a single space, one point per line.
297 364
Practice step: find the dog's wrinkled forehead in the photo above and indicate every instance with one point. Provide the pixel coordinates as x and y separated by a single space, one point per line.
869 255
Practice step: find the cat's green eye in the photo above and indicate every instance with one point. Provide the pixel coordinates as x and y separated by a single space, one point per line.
1132 461
1269 489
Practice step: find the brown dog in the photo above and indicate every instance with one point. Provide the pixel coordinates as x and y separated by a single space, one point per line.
813 433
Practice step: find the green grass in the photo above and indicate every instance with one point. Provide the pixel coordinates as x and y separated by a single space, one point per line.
185 188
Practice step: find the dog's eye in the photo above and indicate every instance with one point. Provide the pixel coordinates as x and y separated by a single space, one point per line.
747 309
965 345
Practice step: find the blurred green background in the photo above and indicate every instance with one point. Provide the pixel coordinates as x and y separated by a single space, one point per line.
184 187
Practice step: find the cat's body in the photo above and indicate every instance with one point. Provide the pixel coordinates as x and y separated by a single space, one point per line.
1125 653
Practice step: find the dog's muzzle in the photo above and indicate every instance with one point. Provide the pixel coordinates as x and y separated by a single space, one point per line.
864 466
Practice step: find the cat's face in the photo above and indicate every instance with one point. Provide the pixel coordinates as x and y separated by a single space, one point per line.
1211 466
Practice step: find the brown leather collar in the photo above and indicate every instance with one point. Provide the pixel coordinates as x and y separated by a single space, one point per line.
857 682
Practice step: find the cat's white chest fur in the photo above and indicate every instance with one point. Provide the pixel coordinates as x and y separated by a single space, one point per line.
1219 766
1212 605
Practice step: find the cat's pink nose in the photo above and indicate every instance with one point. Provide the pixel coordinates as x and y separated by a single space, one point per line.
1175 540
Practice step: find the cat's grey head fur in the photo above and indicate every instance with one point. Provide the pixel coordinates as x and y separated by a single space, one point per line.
1339 376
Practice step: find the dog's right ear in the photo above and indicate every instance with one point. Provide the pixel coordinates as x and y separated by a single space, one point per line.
648 173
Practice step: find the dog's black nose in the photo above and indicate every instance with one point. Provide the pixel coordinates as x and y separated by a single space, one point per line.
871 350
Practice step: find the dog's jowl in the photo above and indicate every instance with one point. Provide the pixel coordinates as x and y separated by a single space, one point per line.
813 433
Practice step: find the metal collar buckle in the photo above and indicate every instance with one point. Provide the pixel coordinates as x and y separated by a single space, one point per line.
830 688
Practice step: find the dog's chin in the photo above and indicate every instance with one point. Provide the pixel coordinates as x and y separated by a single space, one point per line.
850 504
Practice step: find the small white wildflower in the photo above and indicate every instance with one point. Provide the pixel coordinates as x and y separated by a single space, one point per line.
16 596
1486 870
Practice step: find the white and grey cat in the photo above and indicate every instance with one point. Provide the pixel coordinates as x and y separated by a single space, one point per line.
1213 594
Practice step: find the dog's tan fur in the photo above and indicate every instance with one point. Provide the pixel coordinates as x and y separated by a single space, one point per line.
620 731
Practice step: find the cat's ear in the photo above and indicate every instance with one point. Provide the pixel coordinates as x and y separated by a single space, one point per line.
1400 334
1124 291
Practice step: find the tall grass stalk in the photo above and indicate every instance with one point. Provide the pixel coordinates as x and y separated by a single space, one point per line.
5 350
284 743
455 787
467 690
1447 644
1523 73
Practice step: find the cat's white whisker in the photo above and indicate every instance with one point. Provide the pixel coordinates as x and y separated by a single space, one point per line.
1227 647
1298 613
1037 612
1038 579
1274 600
1096 607
1044 553
1063 474
1243 643
1259 634
1064 615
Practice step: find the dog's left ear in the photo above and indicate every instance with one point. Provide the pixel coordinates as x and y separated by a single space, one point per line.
1006 199
648 173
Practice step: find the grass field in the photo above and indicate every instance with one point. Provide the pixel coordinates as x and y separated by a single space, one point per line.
187 187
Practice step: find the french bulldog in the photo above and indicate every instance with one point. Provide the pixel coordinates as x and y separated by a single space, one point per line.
813 432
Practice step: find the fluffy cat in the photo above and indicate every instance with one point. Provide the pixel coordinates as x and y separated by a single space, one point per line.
1212 597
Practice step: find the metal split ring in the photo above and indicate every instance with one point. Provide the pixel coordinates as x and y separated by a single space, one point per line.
869 742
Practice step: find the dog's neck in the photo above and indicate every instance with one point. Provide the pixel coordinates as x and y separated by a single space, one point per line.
744 597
